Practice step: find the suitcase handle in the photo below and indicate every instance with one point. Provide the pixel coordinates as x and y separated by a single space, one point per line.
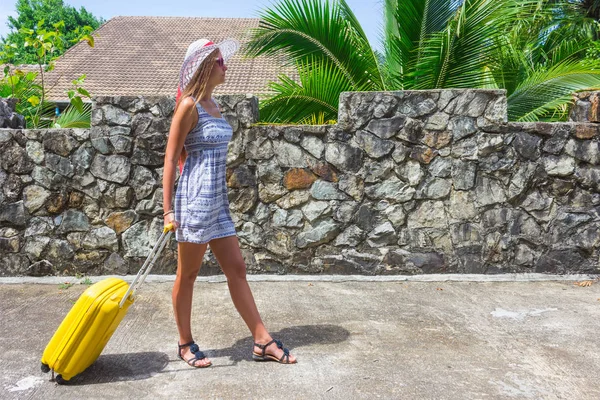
149 263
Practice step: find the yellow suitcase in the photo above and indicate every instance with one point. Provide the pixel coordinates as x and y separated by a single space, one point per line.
86 329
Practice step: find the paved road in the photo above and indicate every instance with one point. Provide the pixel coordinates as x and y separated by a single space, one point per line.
354 340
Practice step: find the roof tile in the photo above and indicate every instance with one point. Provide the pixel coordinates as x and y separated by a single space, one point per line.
141 56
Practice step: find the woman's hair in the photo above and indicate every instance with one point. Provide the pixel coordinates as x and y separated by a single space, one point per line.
196 88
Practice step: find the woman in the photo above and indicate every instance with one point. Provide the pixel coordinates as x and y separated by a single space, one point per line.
199 136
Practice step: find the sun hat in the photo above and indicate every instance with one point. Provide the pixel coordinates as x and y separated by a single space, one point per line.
198 51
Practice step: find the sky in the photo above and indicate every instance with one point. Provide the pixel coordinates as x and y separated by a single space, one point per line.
368 12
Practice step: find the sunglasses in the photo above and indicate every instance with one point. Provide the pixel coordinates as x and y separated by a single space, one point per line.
220 62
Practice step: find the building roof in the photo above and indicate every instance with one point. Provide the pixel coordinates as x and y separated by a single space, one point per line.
142 56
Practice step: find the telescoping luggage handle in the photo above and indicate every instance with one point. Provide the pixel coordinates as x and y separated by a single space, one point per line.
149 263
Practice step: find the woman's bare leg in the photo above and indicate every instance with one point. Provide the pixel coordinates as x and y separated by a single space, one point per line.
189 261
228 254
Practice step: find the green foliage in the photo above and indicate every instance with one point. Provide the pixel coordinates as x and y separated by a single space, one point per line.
409 23
540 51
22 86
86 281
544 59
312 100
73 117
74 23
76 94
65 285
330 50
30 88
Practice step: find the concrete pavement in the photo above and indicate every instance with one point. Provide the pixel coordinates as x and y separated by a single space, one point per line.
354 338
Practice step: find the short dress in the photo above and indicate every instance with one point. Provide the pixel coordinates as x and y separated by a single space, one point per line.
201 203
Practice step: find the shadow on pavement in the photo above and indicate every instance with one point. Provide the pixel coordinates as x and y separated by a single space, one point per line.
138 366
122 367
292 337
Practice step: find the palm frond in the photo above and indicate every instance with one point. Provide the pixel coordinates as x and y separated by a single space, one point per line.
562 45
316 97
408 24
45 117
73 118
317 119
369 56
306 30
507 67
458 56
543 92
579 18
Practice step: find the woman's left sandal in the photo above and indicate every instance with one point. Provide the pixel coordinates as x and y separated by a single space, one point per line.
198 355
285 358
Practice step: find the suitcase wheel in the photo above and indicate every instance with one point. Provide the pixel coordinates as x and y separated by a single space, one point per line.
59 379
45 368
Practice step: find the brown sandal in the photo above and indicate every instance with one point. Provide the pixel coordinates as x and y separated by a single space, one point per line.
268 357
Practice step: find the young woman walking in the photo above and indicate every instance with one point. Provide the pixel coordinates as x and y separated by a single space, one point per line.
199 211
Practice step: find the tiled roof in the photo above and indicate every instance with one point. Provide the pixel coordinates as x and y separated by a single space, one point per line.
143 55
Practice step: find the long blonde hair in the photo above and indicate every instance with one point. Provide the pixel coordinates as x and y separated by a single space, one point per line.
196 89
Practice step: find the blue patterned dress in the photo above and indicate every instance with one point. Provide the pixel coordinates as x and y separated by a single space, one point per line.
201 203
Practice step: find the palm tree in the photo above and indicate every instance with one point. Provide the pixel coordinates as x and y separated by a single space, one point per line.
543 61
330 50
535 49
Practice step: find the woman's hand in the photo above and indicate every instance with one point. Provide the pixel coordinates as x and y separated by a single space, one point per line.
169 219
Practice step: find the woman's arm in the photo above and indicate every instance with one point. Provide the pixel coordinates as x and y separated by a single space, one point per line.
184 119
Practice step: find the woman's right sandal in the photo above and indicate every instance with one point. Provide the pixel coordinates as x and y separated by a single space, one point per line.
268 357
198 355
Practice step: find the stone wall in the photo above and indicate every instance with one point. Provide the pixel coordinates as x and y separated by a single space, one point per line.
406 182
8 117
586 107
